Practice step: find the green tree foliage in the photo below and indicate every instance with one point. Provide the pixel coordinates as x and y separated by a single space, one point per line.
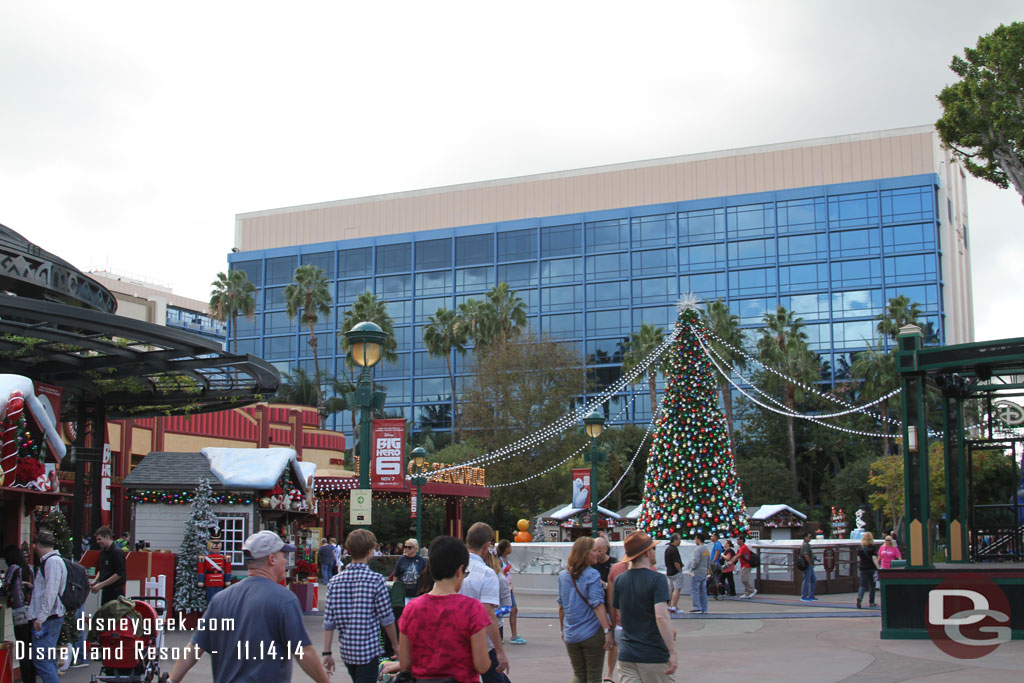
444 334
189 596
298 388
476 321
899 312
726 326
983 113
642 344
508 311
310 293
518 388
233 295
620 443
368 308
766 481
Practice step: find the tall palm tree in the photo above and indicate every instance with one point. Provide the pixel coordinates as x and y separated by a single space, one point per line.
233 294
783 345
298 388
877 368
509 311
476 318
443 334
726 327
367 307
642 344
898 312
310 293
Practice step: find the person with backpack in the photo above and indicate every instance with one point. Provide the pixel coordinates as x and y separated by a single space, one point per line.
46 609
747 561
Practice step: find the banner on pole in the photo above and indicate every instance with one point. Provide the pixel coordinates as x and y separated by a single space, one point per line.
387 470
413 504
581 488
105 471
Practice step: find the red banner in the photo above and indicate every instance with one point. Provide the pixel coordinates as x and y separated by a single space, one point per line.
413 504
105 466
581 488
387 468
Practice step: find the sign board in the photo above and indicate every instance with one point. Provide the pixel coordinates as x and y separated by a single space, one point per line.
387 464
581 488
1008 412
105 471
360 507
413 504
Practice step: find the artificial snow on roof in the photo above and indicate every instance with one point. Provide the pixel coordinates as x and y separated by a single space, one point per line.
257 468
766 511
569 511
308 470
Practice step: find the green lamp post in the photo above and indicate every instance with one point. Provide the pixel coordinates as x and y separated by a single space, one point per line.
366 340
594 425
416 457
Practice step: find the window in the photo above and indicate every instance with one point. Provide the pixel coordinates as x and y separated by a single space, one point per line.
925 296
752 252
854 243
325 340
323 260
608 322
432 254
517 245
427 307
810 276
859 334
752 311
907 204
436 282
401 335
703 257
429 365
563 270
759 281
474 279
394 287
562 240
277 323
474 249
349 290
565 325
355 262
819 336
274 297
659 316
400 311
696 226
398 368
914 237
801 215
653 231
280 270
802 247
910 268
861 302
607 294
654 290
394 258
806 305
754 220
279 347
518 274
707 286
853 210
562 298
397 390
252 269
657 262
233 533
608 235
434 388
245 327
600 351
607 266
856 273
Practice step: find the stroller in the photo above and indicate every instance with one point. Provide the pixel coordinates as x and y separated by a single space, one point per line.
715 585
120 663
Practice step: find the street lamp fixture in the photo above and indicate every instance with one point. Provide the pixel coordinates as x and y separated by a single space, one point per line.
416 457
594 425
366 340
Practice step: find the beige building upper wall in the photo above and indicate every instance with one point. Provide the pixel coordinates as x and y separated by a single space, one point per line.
867 156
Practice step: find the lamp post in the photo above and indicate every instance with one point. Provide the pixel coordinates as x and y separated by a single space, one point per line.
366 340
416 458
594 425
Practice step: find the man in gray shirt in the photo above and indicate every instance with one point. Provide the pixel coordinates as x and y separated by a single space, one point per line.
810 580
698 568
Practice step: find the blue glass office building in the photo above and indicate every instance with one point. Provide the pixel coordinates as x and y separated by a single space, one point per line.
833 253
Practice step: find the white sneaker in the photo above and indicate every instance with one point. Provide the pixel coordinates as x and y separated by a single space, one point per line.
754 593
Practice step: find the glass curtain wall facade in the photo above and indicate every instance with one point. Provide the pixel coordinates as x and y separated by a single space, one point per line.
833 254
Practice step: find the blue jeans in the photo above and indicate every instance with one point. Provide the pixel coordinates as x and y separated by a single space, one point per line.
363 673
80 654
810 581
326 572
699 592
46 669
867 581
492 675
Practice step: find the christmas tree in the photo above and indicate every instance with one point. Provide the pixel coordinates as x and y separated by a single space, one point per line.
56 523
189 596
691 484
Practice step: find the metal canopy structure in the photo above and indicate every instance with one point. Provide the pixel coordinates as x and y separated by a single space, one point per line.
136 369
962 372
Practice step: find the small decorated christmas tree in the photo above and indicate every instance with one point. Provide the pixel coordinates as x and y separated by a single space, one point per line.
189 596
691 482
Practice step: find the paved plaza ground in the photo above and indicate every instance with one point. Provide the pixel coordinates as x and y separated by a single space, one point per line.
769 638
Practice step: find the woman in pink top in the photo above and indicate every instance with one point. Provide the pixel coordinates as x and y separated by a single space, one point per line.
887 553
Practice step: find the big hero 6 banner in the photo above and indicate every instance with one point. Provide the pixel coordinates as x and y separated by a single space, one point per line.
387 469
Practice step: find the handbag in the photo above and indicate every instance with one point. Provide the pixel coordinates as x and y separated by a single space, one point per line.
801 563
20 615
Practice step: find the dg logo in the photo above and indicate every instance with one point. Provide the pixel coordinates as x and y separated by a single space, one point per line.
968 617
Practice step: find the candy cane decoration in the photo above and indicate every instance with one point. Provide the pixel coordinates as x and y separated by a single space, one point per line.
9 450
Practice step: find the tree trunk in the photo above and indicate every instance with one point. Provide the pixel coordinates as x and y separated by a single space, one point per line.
234 333
316 371
451 378
791 433
652 379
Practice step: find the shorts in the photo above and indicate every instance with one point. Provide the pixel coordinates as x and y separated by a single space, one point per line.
677 581
513 599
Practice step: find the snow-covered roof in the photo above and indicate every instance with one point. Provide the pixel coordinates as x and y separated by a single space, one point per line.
766 511
257 468
630 512
567 511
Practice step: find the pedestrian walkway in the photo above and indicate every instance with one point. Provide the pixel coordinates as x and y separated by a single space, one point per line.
772 637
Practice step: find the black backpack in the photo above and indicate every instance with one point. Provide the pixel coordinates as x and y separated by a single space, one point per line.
76 588
754 559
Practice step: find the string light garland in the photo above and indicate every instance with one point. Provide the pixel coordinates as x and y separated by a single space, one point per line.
636 454
185 497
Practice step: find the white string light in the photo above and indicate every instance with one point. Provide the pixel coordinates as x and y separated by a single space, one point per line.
650 426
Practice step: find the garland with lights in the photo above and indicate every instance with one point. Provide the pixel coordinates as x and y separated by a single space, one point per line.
691 483
186 497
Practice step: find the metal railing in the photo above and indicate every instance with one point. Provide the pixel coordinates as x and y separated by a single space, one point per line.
997 533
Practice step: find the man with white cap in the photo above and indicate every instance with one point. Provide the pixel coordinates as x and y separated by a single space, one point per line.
265 632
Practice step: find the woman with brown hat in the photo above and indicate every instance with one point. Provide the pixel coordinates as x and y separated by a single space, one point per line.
586 628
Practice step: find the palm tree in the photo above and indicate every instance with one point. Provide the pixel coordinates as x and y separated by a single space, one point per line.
443 334
898 312
783 345
233 295
878 370
309 292
367 307
642 344
476 318
726 327
298 388
508 310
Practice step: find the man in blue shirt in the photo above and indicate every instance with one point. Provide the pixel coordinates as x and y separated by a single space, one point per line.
254 628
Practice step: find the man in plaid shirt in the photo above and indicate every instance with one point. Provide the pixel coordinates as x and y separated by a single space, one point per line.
358 605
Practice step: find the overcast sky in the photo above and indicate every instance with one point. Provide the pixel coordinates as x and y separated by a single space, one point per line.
132 133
